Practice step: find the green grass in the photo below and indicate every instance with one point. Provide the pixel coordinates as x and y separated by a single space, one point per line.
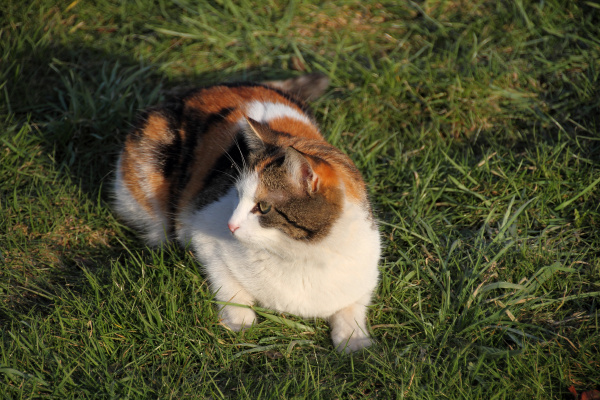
476 126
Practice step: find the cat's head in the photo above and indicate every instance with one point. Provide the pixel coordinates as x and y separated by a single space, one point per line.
292 190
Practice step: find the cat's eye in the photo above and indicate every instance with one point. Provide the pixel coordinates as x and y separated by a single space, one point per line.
264 207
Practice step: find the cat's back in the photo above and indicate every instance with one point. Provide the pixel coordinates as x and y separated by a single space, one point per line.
187 153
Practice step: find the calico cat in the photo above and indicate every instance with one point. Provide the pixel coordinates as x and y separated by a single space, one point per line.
275 214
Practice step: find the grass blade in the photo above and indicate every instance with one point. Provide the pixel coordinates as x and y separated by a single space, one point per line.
584 191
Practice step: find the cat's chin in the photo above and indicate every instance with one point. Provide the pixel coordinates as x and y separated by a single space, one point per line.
261 239
262 247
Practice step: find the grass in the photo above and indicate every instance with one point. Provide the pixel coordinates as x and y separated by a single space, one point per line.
475 125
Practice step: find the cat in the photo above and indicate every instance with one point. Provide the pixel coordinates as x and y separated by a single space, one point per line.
276 215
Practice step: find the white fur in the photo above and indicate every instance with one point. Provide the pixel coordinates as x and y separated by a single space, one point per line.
332 279
266 111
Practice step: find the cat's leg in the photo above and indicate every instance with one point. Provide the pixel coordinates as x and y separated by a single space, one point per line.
206 230
349 327
228 290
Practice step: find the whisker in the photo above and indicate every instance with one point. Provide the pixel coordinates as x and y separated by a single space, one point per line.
232 177
237 145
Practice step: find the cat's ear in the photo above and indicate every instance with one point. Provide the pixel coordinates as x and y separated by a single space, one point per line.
301 171
306 87
257 135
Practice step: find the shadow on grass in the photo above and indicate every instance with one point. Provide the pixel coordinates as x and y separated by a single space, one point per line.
76 105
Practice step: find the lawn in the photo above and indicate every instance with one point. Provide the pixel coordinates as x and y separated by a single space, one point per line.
476 125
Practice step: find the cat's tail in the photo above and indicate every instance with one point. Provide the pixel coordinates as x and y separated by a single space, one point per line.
306 87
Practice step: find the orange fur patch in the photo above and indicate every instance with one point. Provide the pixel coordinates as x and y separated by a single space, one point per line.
131 178
217 98
295 128
156 128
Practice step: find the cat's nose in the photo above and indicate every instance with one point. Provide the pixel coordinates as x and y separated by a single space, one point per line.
232 227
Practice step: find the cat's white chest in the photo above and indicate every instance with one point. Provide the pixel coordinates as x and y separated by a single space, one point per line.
308 286
311 280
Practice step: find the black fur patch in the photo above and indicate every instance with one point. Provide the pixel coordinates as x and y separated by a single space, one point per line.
196 124
223 174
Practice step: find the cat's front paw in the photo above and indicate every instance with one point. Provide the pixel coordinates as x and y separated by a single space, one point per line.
349 329
237 318
351 344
